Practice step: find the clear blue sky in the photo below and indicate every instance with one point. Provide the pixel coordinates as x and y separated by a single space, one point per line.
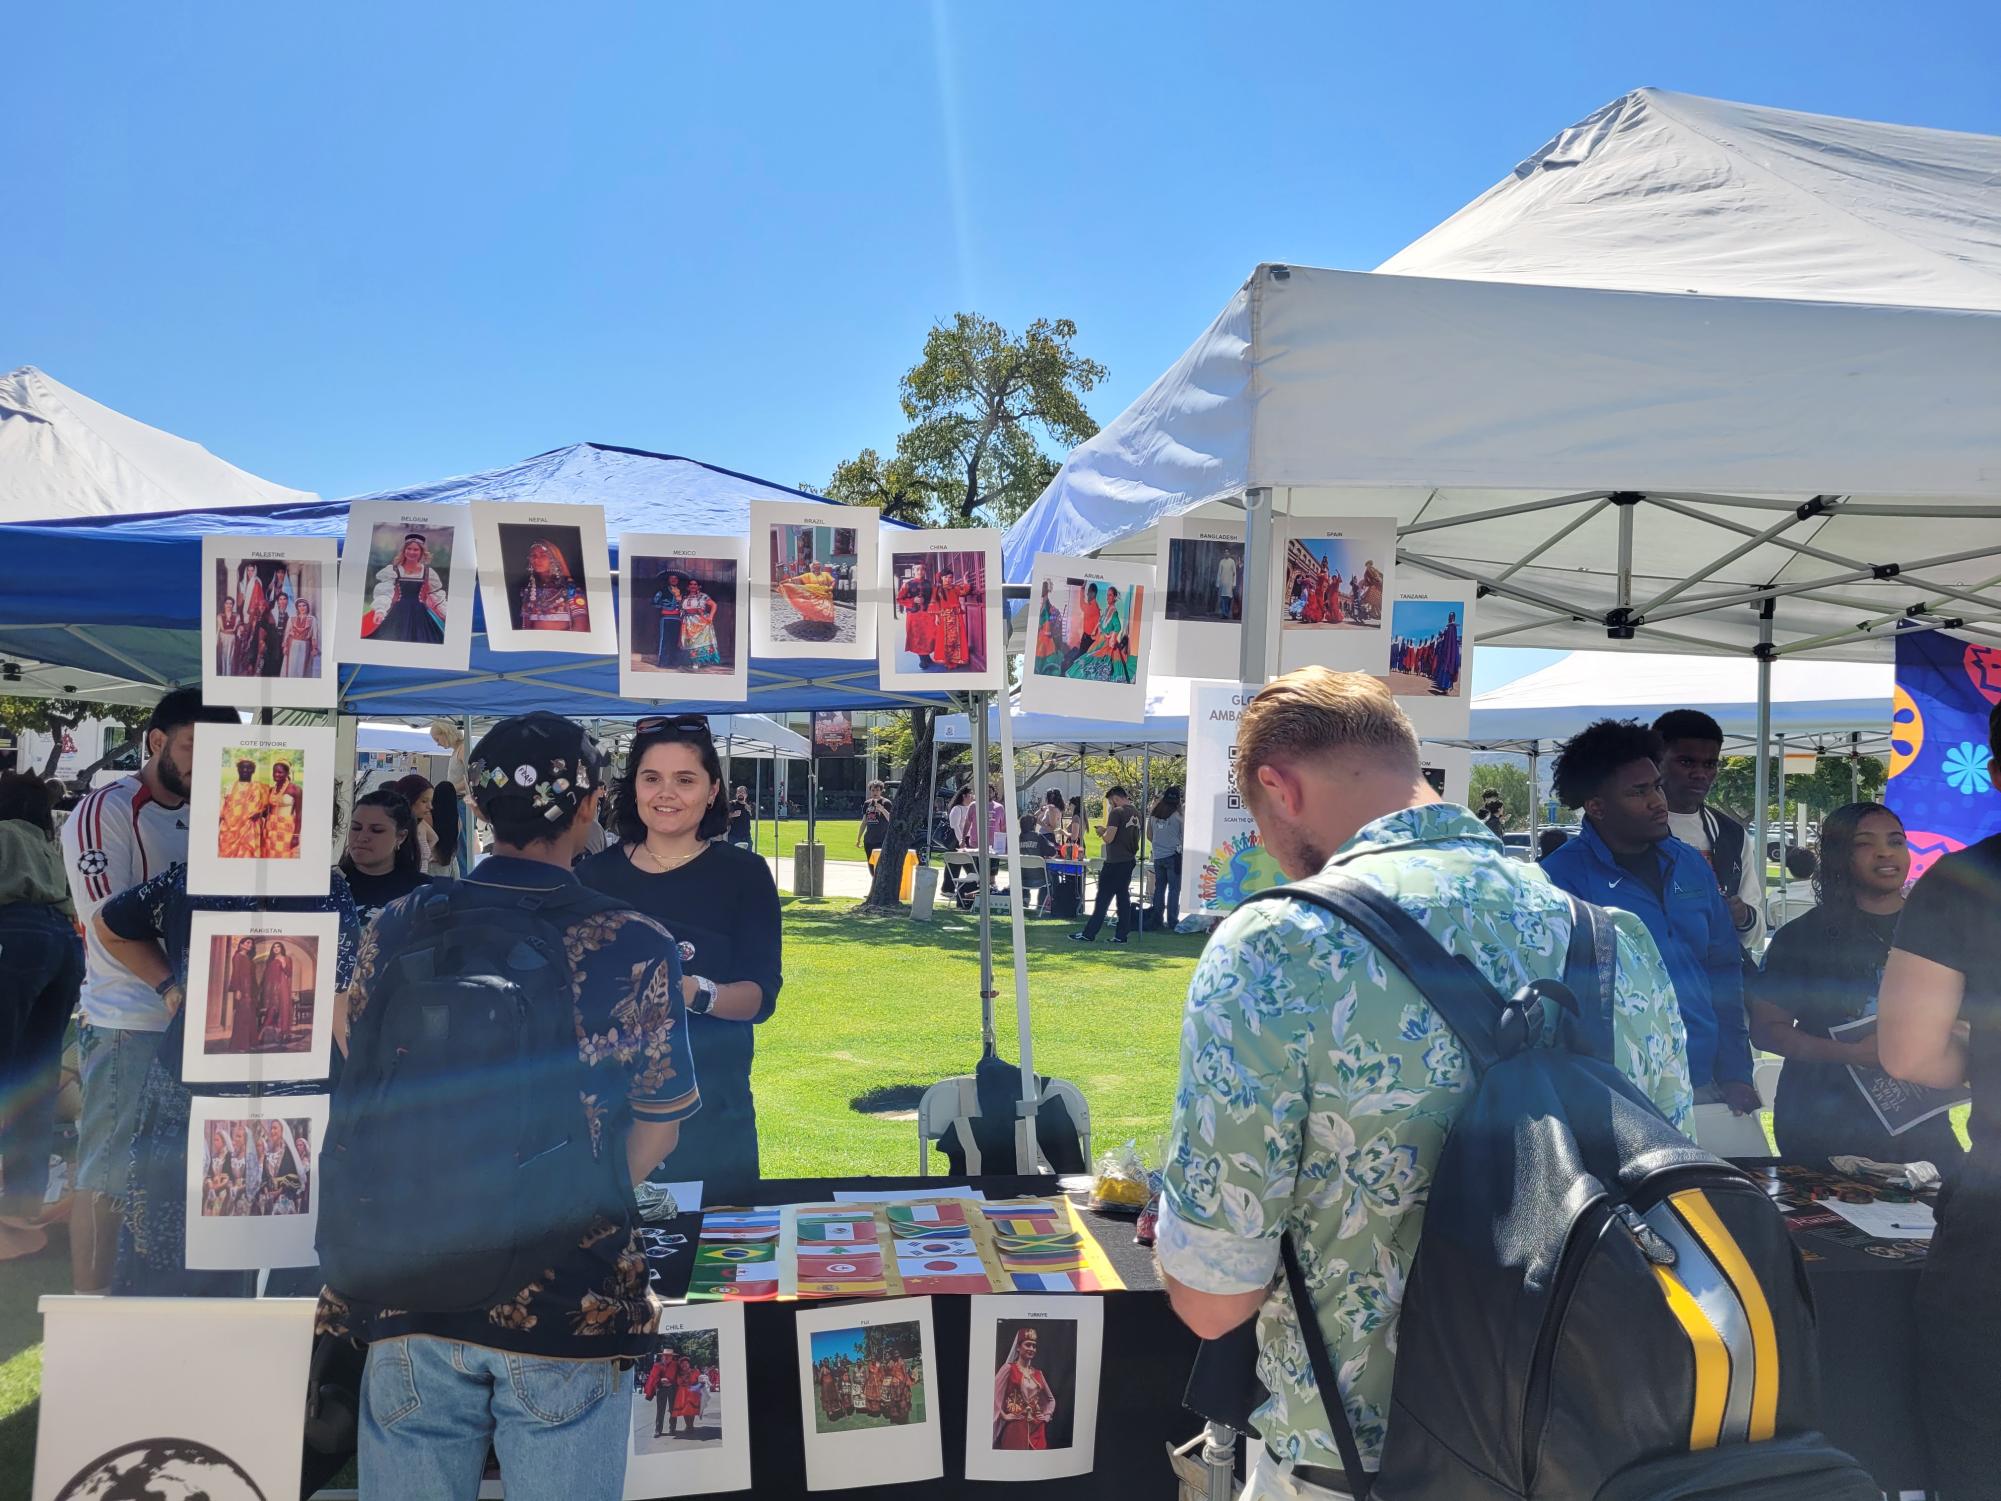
361 246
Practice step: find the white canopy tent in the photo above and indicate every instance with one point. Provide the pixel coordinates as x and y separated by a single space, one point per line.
1715 471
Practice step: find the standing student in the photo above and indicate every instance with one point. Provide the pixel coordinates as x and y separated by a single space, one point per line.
381 859
1691 754
741 818
960 816
1120 833
1825 968
1939 1023
721 904
1164 829
119 835
874 827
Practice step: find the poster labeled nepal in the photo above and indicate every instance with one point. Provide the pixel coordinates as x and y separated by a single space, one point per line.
1940 784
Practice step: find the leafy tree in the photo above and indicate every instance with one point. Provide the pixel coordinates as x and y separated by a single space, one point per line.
56 717
892 485
1828 788
1512 782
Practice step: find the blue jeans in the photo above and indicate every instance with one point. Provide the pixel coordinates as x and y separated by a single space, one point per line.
1166 893
429 1408
41 971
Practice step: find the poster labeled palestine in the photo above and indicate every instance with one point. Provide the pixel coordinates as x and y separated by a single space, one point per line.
1223 859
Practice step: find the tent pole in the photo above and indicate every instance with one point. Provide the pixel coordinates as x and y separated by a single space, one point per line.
984 869
931 807
1254 661
1855 766
1762 779
1785 872
1145 803
757 808
1028 1158
1535 797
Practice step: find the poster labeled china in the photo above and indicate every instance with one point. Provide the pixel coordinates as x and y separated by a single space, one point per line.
1431 655
406 576
942 593
1337 575
267 616
545 577
690 1409
683 618
260 810
1032 1386
253 1186
813 589
1089 635
1200 565
260 997
868 1394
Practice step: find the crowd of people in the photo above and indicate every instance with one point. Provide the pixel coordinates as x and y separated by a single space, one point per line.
266 627
1318 595
680 1390
866 1386
937 617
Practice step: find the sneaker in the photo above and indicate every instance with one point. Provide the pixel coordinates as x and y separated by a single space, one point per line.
1121 940
1080 938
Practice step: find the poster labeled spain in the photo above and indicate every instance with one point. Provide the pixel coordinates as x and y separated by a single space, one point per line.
1224 860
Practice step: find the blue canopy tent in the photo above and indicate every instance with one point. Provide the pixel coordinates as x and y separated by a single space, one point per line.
120 594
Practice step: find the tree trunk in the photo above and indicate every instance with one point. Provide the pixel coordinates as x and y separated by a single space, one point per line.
908 817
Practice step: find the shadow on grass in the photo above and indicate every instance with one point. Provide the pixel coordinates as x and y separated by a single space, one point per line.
17 1451
954 931
886 1099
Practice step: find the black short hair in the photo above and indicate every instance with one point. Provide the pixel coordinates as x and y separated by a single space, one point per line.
1594 755
1801 864
26 797
1117 792
1688 724
1551 840
184 706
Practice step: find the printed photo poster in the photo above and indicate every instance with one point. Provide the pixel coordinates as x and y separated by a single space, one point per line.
267 621
868 1394
1200 565
1032 1387
690 1406
253 1192
1431 655
682 613
814 588
406 577
260 810
1089 636
1224 860
1337 577
206 1401
260 997
545 577
833 733
941 591
1449 769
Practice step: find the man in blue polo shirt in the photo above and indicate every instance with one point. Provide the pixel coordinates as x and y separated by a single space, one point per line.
1626 858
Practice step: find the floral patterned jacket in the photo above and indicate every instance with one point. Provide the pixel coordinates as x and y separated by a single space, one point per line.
1317 1087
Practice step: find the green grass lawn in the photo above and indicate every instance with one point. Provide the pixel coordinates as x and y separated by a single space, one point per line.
837 834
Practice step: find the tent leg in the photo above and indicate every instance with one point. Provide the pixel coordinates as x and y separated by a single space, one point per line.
757 814
1762 781
1145 802
1855 766
1785 844
931 808
1028 1158
1259 586
1535 798
985 873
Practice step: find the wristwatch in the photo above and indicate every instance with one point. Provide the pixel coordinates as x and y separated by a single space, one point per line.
705 995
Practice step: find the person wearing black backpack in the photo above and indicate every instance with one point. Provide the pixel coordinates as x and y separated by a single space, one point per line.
1318 1084
518 1059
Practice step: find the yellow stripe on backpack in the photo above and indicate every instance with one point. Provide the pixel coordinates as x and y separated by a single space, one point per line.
1712 1361
1701 1217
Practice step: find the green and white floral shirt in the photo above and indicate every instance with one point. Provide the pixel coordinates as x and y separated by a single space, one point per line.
1317 1086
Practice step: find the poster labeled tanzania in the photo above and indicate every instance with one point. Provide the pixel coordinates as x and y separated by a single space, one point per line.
1336 579
942 591
681 609
253 1190
1032 1387
813 584
260 997
545 577
406 586
1940 785
868 1394
690 1406
206 1400
260 810
1200 566
267 609
1089 636
1431 655
1223 860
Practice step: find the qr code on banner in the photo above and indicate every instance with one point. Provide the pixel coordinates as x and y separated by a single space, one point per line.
1234 801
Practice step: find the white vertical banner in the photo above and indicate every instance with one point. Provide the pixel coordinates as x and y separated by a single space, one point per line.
173 1397
1223 860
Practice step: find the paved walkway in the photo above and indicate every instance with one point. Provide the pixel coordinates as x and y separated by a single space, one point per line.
844 877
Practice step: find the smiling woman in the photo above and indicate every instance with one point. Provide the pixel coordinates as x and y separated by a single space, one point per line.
720 902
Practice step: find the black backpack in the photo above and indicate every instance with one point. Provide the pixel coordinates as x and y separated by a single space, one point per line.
458 1165
1597 1308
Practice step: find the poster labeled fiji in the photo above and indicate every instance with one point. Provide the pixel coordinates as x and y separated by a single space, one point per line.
545 577
260 810
267 621
869 1394
1431 655
206 1400
1089 637
1223 859
942 593
406 576
682 615
1337 576
813 583
1200 567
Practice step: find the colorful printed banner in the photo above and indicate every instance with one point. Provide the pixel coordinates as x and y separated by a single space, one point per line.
1940 785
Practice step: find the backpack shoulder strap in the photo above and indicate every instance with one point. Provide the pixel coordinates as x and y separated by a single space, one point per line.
1590 969
1454 987
1360 1481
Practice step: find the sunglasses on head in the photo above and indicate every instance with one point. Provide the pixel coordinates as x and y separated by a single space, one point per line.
672 724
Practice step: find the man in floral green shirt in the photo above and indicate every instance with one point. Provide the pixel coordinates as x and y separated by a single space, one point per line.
1317 1084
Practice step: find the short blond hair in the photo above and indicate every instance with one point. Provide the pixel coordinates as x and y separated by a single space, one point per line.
1316 712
